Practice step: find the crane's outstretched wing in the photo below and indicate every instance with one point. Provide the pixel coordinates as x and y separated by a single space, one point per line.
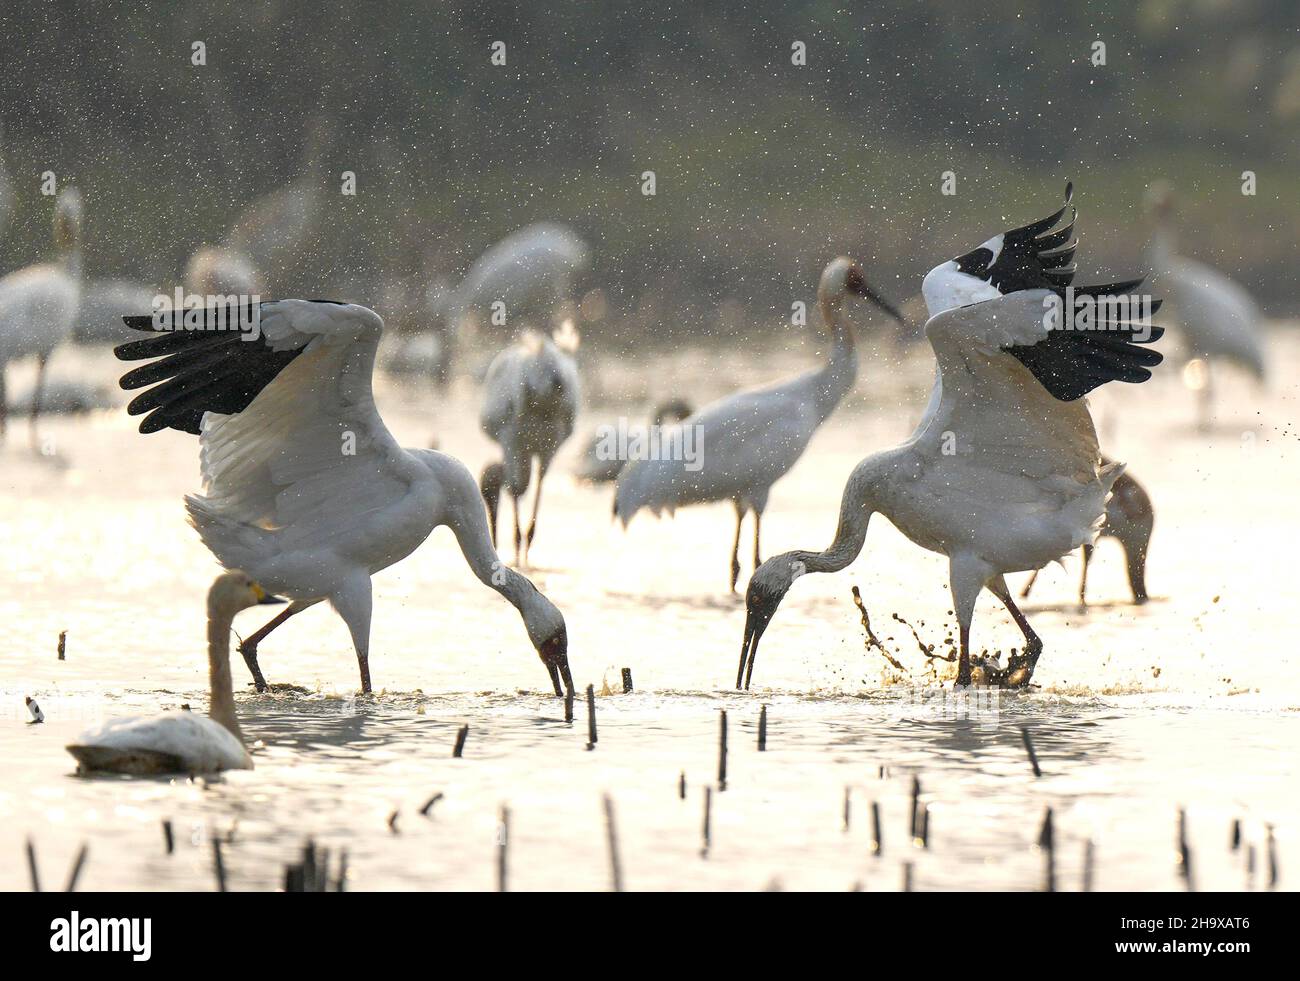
1011 376
290 439
1029 257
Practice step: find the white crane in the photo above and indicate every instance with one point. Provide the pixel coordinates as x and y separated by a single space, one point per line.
1218 319
1129 520
750 440
38 304
530 271
1003 473
185 742
530 399
304 486
274 229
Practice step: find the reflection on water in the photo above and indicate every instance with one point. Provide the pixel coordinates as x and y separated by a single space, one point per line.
1190 702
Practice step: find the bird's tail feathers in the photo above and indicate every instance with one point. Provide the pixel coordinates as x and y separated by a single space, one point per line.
236 545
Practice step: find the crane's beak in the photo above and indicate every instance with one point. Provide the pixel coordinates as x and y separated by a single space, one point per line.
859 287
555 655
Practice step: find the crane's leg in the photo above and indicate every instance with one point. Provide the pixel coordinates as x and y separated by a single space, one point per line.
735 546
537 501
1083 578
758 521
966 577
353 603
1020 667
1033 578
248 646
37 394
519 537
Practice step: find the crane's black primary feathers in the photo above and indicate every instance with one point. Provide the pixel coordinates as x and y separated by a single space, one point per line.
1031 257
1070 363
198 371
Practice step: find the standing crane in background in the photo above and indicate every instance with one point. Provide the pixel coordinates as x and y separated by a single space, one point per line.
530 400
1218 318
39 303
751 439
530 272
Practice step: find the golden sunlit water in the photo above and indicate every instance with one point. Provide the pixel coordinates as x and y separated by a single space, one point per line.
1189 702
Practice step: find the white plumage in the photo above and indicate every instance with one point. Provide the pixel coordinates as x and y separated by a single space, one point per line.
749 440
38 304
530 400
530 271
185 742
1003 474
1218 319
304 486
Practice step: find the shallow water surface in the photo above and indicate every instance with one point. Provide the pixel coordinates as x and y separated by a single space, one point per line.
1192 701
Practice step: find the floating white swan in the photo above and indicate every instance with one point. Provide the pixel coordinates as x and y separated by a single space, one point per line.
184 742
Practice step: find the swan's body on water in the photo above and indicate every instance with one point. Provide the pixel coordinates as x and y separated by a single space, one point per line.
185 742
304 486
1003 474
750 440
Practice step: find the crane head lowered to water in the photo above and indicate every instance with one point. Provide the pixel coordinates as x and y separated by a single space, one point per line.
1003 473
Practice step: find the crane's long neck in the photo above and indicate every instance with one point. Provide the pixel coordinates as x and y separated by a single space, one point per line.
836 379
857 505
466 516
1164 243
221 693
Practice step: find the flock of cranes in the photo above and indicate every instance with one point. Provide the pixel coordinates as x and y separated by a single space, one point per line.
1003 474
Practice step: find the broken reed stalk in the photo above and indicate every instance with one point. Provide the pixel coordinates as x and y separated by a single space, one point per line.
461 735
392 821
627 680
924 837
63 645
681 786
1089 863
916 809
762 728
1235 841
1184 851
722 750
169 840
1047 842
31 866
876 841
611 835
907 877
591 716
75 874
218 865
1272 856
708 821
428 804
340 883
1029 748
847 800
503 846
